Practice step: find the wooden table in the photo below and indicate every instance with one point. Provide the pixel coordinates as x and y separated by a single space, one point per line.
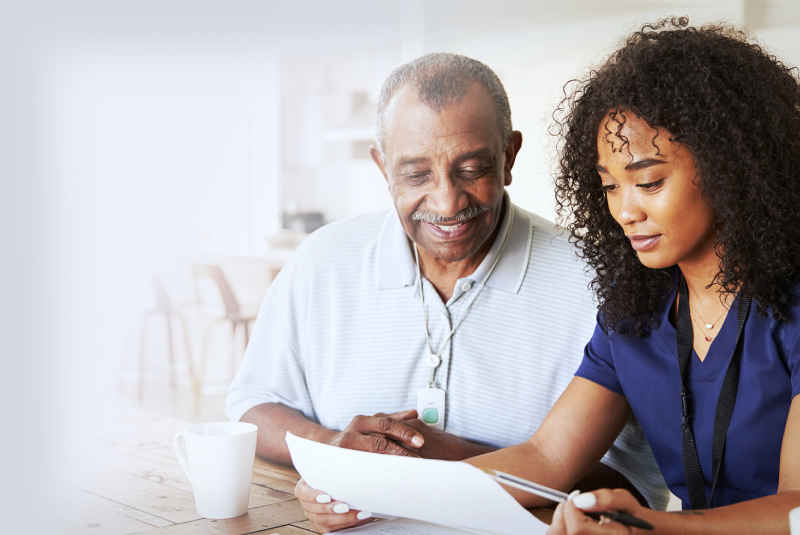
129 481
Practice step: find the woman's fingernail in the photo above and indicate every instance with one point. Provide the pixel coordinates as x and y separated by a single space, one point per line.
585 500
417 441
340 508
363 515
323 498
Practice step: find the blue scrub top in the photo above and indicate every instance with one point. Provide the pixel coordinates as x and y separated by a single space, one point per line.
645 370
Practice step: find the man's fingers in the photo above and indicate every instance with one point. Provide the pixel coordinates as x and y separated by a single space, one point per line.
381 444
416 423
409 414
389 427
374 443
401 416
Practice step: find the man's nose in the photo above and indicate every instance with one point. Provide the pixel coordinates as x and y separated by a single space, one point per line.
628 207
447 197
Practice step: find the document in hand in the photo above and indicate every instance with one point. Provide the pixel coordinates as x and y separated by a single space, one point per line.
440 492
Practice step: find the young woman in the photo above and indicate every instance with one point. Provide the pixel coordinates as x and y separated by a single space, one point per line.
680 184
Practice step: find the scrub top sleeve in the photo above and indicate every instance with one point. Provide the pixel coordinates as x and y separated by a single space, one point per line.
793 360
598 361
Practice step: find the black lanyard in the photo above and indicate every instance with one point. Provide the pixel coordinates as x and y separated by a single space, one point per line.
727 399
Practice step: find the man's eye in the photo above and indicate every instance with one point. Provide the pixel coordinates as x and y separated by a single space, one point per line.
471 173
416 178
651 186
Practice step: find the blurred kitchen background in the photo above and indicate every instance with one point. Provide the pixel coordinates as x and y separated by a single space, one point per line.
187 148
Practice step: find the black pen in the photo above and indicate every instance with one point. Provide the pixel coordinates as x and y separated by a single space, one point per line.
558 497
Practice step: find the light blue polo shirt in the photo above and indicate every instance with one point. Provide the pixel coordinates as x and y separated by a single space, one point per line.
341 333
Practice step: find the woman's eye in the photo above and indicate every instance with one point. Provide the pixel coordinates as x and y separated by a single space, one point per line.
651 186
608 188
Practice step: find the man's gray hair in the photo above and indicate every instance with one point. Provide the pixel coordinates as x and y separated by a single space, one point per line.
441 79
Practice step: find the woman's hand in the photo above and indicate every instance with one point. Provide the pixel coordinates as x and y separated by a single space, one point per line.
569 518
327 514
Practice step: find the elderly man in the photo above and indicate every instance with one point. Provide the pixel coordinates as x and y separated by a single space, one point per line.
458 312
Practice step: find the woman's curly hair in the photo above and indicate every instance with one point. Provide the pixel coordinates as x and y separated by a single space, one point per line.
736 108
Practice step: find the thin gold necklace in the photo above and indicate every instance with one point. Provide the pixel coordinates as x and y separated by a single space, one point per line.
708 338
708 325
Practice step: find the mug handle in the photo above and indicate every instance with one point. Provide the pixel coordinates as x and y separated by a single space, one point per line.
179 443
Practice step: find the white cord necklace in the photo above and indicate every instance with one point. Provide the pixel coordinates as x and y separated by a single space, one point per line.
434 359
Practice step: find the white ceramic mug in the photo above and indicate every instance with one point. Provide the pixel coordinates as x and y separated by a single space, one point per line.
218 460
794 521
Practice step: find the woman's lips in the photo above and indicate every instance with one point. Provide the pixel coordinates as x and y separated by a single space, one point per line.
450 230
644 243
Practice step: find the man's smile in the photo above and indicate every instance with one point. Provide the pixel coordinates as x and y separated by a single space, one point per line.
450 230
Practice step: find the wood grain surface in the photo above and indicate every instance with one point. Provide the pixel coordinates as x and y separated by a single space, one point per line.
129 481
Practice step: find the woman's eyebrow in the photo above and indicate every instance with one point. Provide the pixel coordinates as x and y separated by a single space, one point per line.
633 166
643 164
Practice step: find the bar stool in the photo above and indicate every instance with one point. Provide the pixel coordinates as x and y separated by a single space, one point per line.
165 309
231 312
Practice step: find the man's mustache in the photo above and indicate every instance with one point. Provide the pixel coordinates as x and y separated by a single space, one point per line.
463 215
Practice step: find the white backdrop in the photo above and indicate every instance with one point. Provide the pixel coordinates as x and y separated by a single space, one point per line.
137 130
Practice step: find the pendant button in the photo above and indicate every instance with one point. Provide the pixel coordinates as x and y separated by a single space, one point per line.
434 360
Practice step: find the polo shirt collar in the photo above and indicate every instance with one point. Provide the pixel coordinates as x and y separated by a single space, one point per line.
396 268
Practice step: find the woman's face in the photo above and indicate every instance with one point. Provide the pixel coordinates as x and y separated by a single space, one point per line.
653 192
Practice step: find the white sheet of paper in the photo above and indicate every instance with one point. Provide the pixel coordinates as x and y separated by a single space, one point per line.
440 492
404 527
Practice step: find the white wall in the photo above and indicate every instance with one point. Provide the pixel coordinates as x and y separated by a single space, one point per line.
154 128
534 59
535 63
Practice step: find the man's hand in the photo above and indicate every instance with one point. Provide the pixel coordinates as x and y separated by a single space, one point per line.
441 445
382 433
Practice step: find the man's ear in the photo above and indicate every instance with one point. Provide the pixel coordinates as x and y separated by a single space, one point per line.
377 157
514 144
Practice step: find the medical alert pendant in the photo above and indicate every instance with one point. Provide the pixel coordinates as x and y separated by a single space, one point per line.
434 360
430 406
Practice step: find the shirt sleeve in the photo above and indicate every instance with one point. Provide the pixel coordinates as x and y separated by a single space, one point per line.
793 357
630 455
598 361
271 370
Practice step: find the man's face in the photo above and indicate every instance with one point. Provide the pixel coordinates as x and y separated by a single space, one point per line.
446 172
